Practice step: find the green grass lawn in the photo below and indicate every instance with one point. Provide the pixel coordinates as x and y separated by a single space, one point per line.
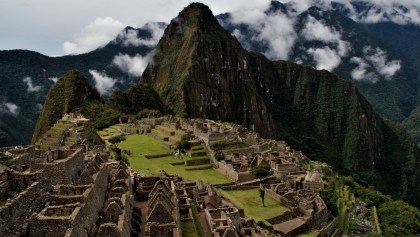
250 201
109 132
141 145
311 233
188 229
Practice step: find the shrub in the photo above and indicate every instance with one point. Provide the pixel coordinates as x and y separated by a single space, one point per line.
116 139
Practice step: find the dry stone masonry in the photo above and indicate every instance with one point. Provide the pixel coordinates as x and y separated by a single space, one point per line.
63 187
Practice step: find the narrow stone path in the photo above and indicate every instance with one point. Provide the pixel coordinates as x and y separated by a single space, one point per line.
205 226
144 209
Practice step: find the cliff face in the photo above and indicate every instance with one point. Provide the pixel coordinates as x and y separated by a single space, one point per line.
70 92
200 70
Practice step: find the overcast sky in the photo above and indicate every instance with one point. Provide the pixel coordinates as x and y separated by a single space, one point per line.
45 25
59 27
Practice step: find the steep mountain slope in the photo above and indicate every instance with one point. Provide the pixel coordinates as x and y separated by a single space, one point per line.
26 77
69 93
200 70
380 58
137 98
73 93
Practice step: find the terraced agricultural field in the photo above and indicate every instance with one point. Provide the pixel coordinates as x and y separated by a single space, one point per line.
142 145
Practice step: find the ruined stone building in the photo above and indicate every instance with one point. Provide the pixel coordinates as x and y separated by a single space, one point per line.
163 217
70 190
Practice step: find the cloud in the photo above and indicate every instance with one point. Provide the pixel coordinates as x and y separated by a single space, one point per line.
134 66
53 79
10 108
97 34
378 58
275 29
103 83
374 65
39 107
33 16
325 58
373 11
31 87
316 30
360 73
389 11
130 38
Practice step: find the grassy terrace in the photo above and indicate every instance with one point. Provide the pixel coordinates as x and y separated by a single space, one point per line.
250 201
311 233
141 145
112 131
188 229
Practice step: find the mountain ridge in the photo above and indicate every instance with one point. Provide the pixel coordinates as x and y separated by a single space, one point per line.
43 71
197 69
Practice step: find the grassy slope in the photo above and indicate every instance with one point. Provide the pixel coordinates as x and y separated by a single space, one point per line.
312 233
188 229
141 145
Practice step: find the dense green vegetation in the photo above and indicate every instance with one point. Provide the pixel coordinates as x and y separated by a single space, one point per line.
261 171
73 93
139 99
101 115
412 124
116 139
396 217
69 93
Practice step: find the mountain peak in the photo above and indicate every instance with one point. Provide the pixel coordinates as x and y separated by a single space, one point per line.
70 92
196 15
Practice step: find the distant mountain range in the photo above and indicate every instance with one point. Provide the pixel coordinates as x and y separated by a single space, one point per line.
26 77
200 70
380 57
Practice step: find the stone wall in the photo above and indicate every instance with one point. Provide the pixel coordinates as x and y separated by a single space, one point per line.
288 215
63 171
277 197
79 215
231 173
228 170
197 162
51 226
20 208
21 163
329 229
124 221
86 220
